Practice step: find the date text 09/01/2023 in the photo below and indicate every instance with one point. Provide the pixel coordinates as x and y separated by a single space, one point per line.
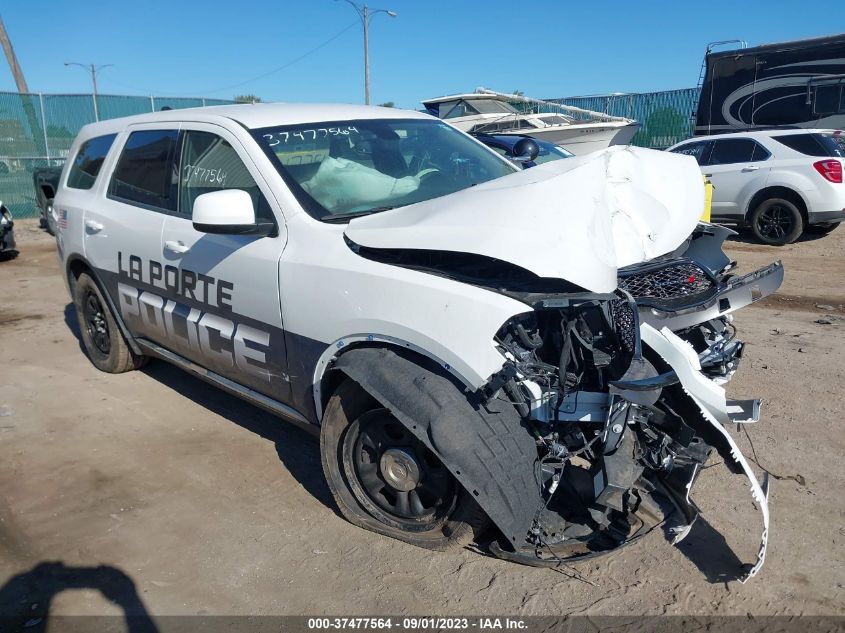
417 623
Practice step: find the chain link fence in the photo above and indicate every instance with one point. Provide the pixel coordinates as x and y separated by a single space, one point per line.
36 130
665 118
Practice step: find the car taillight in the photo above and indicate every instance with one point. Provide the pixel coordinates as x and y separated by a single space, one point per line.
829 169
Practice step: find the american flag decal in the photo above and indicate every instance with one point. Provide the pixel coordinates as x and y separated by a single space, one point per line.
62 219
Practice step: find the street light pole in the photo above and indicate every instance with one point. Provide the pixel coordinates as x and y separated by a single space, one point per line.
366 14
93 70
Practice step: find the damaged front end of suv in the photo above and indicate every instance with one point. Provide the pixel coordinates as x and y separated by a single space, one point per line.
610 396
622 395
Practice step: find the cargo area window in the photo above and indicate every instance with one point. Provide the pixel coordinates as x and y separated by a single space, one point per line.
88 162
146 172
210 163
814 144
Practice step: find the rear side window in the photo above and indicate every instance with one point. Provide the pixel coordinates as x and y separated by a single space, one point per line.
210 163
737 150
697 150
814 144
146 172
88 162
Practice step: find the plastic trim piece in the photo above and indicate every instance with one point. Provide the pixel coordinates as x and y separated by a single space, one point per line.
710 398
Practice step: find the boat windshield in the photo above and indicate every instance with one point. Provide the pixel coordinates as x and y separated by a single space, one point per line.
343 169
492 106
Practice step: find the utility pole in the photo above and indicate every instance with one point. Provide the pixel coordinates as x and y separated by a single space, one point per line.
26 100
12 59
366 14
93 70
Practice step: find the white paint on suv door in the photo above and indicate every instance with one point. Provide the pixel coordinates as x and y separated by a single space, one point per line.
737 168
231 296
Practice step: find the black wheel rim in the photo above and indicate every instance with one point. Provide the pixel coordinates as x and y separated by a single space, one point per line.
96 323
397 473
775 222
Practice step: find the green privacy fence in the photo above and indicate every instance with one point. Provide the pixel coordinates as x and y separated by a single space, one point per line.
665 117
36 130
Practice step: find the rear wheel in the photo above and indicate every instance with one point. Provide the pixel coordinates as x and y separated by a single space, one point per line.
386 480
777 221
101 336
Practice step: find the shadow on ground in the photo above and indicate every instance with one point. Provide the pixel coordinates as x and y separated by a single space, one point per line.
705 547
297 450
26 598
746 237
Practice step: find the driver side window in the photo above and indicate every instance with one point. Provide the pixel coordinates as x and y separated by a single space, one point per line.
210 163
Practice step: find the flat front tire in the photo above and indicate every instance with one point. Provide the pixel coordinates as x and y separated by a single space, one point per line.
101 336
385 480
777 221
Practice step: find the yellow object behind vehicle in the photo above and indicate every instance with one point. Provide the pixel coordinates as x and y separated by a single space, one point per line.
708 199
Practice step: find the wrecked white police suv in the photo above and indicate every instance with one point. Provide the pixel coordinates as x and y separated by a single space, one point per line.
538 352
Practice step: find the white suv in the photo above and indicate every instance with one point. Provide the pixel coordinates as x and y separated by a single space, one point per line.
778 182
540 350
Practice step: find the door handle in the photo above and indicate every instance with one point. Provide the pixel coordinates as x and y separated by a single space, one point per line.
176 247
750 168
708 175
93 227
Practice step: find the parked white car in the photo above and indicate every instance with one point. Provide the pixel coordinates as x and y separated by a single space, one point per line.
777 182
540 350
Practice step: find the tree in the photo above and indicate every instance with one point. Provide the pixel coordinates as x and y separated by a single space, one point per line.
664 127
247 99
388 104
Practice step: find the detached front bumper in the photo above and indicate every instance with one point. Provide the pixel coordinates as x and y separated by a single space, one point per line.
726 297
718 412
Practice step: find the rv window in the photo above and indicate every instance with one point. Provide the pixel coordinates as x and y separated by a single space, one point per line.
732 150
827 99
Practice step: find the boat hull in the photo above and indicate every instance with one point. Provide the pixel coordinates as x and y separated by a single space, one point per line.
585 138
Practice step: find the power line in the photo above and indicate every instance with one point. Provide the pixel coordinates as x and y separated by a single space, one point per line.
283 66
256 78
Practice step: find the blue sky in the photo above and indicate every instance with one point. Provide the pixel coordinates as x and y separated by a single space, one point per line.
550 48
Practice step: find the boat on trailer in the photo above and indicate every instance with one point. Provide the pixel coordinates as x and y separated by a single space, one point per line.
489 112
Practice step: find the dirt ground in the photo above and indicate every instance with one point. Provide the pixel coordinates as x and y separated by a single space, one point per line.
184 500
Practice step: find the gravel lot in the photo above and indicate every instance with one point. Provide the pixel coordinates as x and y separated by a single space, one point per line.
157 492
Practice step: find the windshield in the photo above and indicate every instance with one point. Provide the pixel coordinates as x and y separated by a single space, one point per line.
550 152
343 169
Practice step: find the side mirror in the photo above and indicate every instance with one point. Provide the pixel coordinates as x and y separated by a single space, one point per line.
525 150
228 212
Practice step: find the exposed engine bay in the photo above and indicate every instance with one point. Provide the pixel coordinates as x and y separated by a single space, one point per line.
617 407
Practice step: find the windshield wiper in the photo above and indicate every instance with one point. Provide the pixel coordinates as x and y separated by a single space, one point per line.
337 218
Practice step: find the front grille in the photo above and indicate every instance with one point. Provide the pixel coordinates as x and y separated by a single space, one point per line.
671 282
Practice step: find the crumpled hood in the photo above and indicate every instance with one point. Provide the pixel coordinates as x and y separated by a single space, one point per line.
578 219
